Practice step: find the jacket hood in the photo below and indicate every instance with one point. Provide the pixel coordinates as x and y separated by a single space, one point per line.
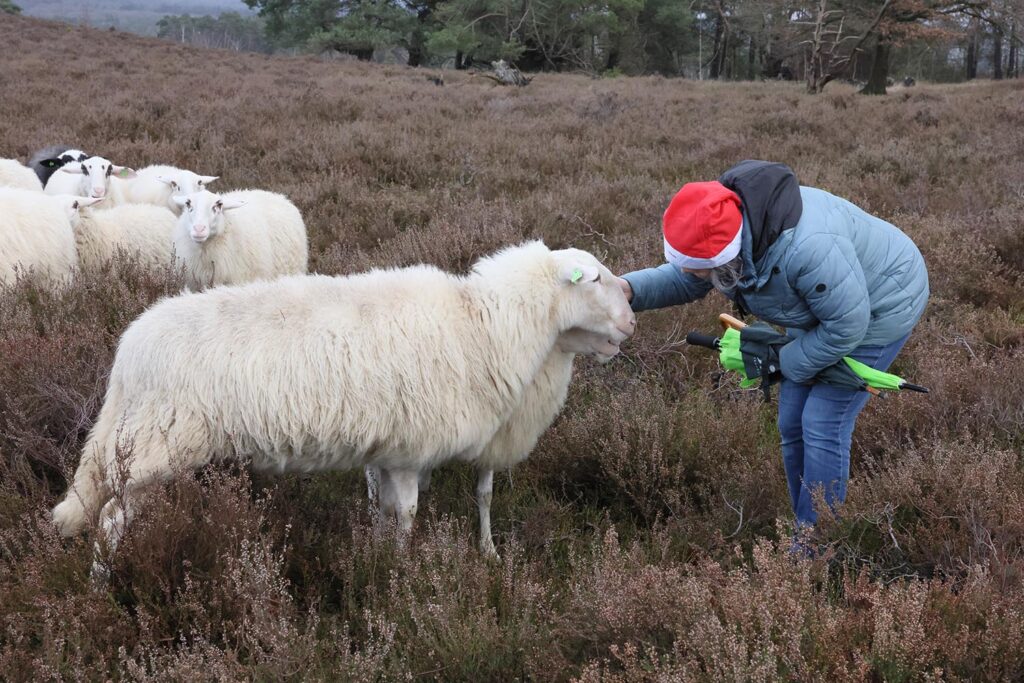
771 202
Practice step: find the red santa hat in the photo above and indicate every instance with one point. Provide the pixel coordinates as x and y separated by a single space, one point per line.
702 226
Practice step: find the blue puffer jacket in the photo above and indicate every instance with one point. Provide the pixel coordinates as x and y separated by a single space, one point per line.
840 278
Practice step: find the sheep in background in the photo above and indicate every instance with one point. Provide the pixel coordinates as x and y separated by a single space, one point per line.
94 177
239 237
47 161
542 400
145 231
14 174
159 184
403 369
36 235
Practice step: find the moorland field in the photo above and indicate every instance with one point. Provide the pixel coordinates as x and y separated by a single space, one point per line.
646 537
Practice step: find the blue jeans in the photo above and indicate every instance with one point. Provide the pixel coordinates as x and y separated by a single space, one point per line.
816 424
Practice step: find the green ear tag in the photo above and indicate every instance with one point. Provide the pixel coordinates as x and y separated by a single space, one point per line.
577 275
123 173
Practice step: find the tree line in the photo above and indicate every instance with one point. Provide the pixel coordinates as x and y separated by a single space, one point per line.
816 41
229 31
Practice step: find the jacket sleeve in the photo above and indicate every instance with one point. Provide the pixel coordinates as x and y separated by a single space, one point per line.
830 279
664 286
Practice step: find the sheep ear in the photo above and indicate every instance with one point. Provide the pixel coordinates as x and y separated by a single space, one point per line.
165 180
577 273
124 172
82 202
179 200
50 163
228 204
207 179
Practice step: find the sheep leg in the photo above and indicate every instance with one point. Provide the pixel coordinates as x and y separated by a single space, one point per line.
114 519
374 493
149 461
484 489
401 487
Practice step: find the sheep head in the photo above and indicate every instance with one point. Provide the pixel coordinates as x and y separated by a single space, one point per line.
72 205
203 213
96 173
183 182
594 314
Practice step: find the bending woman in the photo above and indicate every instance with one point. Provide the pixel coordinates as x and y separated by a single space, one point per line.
841 281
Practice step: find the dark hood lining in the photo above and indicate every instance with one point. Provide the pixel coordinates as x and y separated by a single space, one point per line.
770 195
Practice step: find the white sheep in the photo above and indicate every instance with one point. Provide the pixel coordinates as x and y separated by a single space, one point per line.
403 369
143 230
94 177
239 237
158 184
541 402
15 174
36 235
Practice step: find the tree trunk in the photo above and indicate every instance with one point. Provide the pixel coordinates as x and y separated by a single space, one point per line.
997 53
723 57
416 43
879 70
1011 68
415 50
719 48
813 58
459 63
972 54
751 52
613 59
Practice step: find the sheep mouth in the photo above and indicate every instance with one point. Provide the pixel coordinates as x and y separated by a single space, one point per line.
199 239
608 350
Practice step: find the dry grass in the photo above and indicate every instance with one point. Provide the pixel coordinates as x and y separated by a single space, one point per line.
641 540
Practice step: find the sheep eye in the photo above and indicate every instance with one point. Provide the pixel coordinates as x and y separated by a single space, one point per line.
598 278
188 203
174 185
110 169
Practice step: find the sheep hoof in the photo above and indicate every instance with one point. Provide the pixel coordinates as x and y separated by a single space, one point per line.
99 576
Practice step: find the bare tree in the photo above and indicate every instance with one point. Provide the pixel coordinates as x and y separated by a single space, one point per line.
832 45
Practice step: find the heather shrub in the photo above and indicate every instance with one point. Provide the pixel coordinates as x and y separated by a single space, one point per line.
647 536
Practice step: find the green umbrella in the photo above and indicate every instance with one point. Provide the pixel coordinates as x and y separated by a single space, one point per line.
753 353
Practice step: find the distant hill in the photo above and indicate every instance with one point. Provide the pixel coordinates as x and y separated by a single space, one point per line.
136 16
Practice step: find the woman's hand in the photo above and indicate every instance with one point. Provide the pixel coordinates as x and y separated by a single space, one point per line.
626 289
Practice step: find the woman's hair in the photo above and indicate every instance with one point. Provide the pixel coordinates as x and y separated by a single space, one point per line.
725 278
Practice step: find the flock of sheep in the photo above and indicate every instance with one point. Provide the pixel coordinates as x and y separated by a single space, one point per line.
396 371
165 215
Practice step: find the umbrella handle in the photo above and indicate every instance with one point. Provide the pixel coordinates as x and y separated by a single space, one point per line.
705 340
727 321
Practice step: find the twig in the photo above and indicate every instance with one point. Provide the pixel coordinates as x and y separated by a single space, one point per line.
738 511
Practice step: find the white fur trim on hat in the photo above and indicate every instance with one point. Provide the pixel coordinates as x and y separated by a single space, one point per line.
680 260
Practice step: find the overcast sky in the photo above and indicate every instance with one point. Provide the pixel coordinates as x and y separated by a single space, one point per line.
139 16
